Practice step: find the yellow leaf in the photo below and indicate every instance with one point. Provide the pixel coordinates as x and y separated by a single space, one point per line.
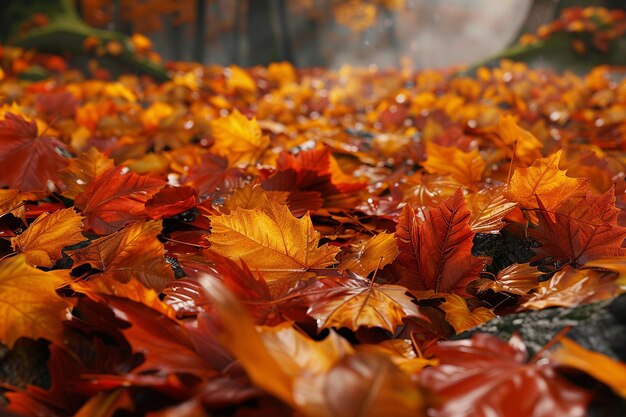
356 303
251 197
12 201
517 279
29 304
466 168
402 353
82 169
281 73
601 367
379 251
528 146
42 242
270 240
132 253
544 180
487 209
238 139
459 315
239 80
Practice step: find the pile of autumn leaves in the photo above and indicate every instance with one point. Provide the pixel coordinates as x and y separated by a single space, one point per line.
183 257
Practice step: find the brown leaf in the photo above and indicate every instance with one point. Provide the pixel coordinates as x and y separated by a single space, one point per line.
132 253
488 207
356 302
601 367
437 252
581 229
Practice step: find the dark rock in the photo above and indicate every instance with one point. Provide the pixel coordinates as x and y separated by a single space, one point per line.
600 327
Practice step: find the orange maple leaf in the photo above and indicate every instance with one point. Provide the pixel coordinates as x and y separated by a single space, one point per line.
42 242
544 180
132 253
270 240
30 306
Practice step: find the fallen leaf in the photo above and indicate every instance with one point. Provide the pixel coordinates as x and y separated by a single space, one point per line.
459 315
357 302
30 306
116 198
29 162
478 377
42 242
378 252
544 181
581 229
437 252
571 287
82 170
488 207
601 367
365 384
518 279
466 168
132 253
238 139
271 241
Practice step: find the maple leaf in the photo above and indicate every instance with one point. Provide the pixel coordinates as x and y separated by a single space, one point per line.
29 162
570 287
379 251
312 178
488 207
517 279
242 282
213 175
132 253
357 302
466 168
544 180
12 201
479 377
42 242
238 139
116 198
170 201
601 367
30 306
271 241
459 315
437 252
82 170
581 229
527 147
